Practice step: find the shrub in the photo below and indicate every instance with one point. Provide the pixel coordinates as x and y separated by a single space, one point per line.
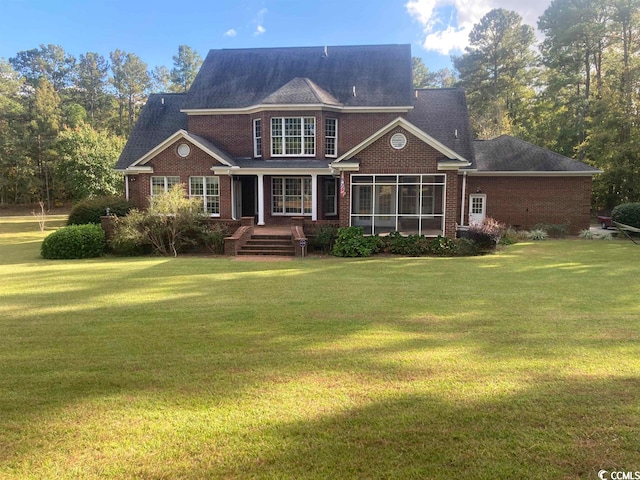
510 237
488 233
537 234
74 241
586 234
627 214
129 238
553 230
324 238
411 245
351 242
91 209
442 246
212 237
466 248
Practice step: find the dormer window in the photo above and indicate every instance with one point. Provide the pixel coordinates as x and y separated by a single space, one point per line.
294 136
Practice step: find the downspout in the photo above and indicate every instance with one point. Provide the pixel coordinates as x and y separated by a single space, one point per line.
464 197
126 187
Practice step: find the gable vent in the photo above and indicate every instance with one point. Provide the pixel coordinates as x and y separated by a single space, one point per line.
398 141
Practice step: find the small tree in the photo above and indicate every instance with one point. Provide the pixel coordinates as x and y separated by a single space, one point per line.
170 218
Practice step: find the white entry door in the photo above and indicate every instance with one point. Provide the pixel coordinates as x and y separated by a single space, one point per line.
477 207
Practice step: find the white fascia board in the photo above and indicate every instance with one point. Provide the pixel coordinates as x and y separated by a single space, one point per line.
455 165
409 127
294 107
136 170
172 139
346 166
533 174
271 171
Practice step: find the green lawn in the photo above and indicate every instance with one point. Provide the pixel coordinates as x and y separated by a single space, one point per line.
523 364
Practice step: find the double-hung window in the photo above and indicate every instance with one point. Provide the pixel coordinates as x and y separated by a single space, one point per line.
160 185
257 137
331 137
330 196
294 136
207 189
291 195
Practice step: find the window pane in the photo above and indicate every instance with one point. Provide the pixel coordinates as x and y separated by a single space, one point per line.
171 181
212 186
385 201
196 186
292 126
366 222
157 185
409 179
362 201
386 179
361 179
409 199
409 225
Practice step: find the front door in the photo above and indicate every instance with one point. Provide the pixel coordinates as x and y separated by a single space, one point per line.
477 207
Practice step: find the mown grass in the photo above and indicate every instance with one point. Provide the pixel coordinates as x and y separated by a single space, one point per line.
523 364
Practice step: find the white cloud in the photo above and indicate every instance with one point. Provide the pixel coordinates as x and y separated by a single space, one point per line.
259 22
447 35
230 33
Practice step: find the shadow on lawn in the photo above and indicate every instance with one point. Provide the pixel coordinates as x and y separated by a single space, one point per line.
544 432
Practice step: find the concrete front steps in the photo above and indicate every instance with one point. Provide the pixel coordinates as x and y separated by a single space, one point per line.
268 244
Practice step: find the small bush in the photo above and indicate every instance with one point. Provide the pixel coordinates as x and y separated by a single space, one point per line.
510 237
553 230
212 237
324 238
537 235
351 242
627 214
442 246
488 233
129 238
91 209
466 248
411 245
74 241
586 234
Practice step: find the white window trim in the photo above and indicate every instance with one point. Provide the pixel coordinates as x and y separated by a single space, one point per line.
302 137
397 184
335 137
204 195
257 152
166 182
302 196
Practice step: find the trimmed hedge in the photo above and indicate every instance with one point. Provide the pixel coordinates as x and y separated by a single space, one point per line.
91 209
74 241
627 214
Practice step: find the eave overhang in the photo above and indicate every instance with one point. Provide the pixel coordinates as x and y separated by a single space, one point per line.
236 170
180 134
509 173
295 107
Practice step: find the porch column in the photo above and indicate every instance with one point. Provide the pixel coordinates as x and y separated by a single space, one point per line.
260 199
314 197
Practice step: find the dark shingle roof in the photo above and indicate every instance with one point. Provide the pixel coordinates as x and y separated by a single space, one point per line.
441 113
509 154
240 78
156 123
301 91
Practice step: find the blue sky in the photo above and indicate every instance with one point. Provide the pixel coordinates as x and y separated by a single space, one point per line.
154 29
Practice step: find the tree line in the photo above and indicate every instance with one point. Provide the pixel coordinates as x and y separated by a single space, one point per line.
578 93
64 120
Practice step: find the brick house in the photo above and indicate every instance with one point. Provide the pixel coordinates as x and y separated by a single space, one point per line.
339 135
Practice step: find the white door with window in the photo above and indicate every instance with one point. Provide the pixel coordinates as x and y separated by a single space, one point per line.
477 207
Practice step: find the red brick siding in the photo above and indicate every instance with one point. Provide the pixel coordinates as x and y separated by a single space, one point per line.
526 201
168 163
234 133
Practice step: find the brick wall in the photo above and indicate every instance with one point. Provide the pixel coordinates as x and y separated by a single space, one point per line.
169 163
525 201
